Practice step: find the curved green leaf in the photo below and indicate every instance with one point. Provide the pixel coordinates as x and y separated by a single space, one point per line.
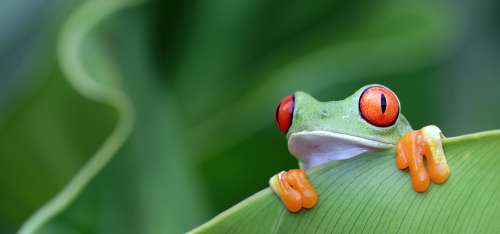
368 194
104 91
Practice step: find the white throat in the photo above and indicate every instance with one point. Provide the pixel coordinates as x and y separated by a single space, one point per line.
314 148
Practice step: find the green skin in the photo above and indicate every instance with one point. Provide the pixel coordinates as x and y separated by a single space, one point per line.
324 131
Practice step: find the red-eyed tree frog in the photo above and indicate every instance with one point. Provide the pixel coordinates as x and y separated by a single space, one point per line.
369 120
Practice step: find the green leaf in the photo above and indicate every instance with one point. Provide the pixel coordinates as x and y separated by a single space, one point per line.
102 91
153 155
369 194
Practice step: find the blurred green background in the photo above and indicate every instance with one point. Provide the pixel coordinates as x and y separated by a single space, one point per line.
204 78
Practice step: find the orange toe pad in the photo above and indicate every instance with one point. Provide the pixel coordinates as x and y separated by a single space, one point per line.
410 152
294 189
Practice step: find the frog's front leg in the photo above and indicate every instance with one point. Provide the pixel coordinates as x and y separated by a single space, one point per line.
413 147
294 189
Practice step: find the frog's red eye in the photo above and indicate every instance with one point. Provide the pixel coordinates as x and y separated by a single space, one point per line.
284 113
379 106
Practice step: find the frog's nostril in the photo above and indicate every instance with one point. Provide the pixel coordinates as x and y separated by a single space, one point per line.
284 113
323 113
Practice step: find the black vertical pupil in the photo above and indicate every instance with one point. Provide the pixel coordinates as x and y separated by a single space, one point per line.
383 103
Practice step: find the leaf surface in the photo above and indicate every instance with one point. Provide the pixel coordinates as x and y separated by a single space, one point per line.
369 194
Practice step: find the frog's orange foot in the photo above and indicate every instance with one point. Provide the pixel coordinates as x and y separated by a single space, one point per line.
411 149
294 189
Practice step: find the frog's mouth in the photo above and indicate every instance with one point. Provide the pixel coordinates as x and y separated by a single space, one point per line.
314 148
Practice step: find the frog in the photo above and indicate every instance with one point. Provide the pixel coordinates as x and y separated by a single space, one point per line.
367 121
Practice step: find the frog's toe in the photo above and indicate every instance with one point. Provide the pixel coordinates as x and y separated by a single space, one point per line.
294 190
439 173
411 150
290 198
439 170
401 158
420 181
299 181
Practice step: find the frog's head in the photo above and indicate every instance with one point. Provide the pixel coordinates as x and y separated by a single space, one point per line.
317 132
